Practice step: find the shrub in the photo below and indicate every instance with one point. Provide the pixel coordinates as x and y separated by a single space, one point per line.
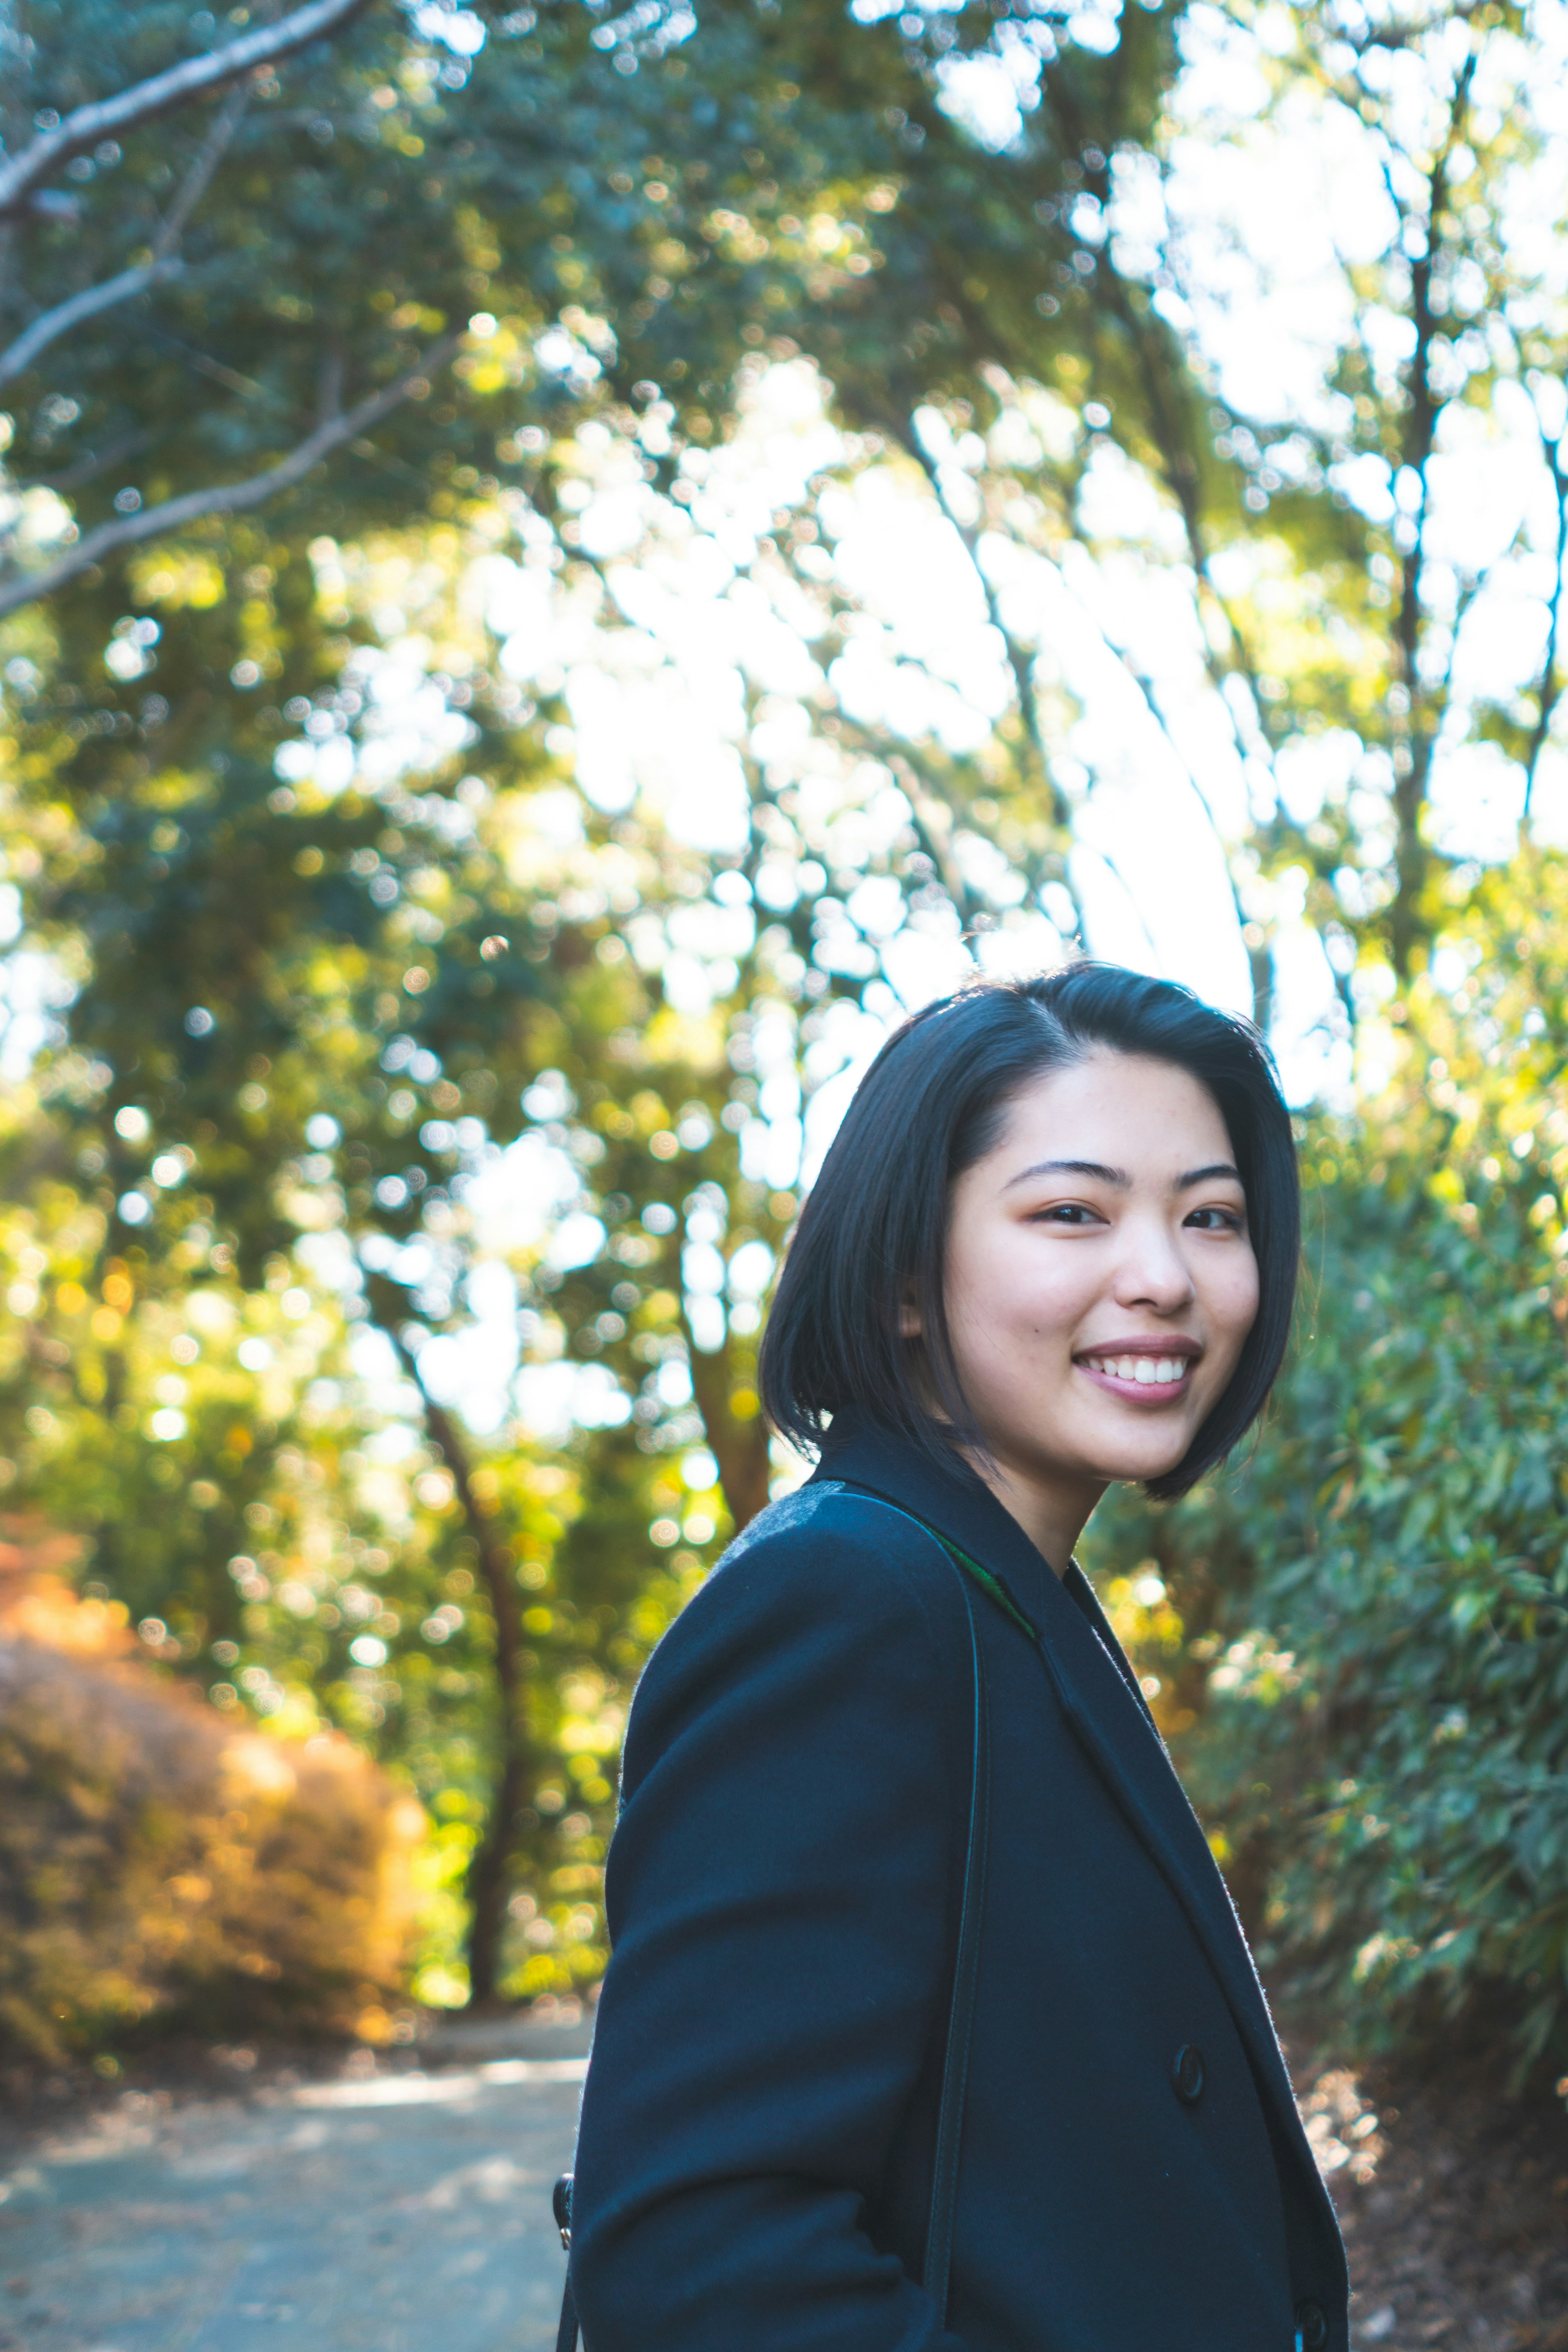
162 1869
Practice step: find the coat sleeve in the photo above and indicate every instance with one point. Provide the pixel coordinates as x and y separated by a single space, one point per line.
778 1893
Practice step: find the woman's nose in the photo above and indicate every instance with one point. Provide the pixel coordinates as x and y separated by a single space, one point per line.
1151 1270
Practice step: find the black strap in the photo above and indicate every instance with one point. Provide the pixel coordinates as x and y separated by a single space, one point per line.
566 2340
965 1976
561 2200
938 2262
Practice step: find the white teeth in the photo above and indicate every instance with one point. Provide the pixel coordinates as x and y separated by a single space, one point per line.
1141 1371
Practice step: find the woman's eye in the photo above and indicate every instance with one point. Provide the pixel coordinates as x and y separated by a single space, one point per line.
1218 1221
1068 1212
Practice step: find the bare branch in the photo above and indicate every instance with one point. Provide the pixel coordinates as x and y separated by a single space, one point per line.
208 156
1093 849
330 392
228 498
1018 659
739 1447
1143 681
1424 401
1551 682
927 797
50 325
93 462
183 84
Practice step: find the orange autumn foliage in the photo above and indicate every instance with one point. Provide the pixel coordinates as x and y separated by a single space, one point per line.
162 1869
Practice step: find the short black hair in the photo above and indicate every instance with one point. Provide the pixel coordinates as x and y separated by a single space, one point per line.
873 1234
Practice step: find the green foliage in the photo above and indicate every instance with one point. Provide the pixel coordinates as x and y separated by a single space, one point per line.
311 1018
1363 1634
621 205
349 960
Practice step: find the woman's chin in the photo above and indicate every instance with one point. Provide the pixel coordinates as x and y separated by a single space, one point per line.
1128 1458
1101 1457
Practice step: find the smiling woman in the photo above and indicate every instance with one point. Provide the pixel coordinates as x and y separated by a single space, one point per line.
1097 1306
928 2023
1118 1099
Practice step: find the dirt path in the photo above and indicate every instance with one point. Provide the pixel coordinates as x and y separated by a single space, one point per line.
408 2209
402 2211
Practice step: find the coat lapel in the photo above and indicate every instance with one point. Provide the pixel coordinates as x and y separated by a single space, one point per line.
1131 1758
1100 1697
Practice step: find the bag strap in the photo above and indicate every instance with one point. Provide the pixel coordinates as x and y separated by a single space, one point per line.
965 1976
561 2200
938 2265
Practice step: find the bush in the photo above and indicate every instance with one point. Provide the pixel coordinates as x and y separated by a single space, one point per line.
162 1869
1362 1634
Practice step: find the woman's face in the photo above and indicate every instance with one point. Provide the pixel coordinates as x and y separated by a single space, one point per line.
1100 1282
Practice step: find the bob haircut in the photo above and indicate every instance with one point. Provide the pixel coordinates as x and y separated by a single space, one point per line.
873 1233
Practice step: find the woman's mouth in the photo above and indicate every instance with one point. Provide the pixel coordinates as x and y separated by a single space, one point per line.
1145 1375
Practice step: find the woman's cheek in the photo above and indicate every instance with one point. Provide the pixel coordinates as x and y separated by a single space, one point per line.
1237 1304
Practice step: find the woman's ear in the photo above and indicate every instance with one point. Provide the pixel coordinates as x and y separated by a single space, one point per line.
910 1327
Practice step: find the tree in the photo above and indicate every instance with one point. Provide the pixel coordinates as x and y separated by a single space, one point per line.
195 369
305 794
1339 644
275 977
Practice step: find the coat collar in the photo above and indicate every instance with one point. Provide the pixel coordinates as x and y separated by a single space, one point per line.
1100 1695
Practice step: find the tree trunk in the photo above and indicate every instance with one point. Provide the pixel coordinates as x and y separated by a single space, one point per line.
489 1871
739 1444
1410 915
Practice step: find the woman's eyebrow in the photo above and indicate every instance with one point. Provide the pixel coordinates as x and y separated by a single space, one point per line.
1119 1176
1095 1168
1206 1175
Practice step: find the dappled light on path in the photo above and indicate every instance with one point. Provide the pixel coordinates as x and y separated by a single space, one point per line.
398 2210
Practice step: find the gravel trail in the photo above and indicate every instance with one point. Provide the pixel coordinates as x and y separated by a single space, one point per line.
407 2211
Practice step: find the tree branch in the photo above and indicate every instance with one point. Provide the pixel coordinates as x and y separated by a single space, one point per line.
208 156
739 1447
1168 421
180 86
230 498
1407 921
92 462
50 325
1259 959
916 778
1018 659
1550 683
203 363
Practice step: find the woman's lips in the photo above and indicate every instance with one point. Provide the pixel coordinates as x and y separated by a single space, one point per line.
1142 1375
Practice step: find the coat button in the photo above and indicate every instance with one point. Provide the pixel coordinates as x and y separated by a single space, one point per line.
1311 2328
1187 2074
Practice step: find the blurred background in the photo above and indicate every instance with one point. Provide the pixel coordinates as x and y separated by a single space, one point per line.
560 568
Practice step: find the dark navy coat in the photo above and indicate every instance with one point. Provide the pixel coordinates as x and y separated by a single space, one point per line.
753 2168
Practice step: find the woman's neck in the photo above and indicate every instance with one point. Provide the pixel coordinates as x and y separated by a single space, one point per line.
1052 1515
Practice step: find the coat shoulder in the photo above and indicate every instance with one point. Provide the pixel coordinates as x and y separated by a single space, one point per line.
826 1589
832 1546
